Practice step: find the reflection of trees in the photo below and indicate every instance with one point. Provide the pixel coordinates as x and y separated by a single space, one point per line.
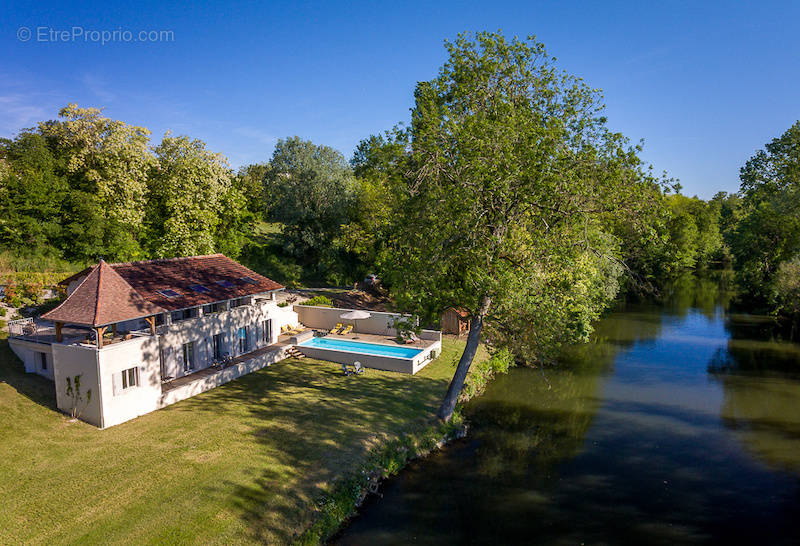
762 413
760 379
528 418
637 323
705 293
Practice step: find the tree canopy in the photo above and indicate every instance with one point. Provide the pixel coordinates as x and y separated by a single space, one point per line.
512 177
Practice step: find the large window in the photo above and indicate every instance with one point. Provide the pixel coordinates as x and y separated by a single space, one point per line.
188 356
242 336
218 343
266 331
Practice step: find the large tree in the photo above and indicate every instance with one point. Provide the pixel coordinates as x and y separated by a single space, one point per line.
106 163
768 232
192 201
312 190
31 195
512 181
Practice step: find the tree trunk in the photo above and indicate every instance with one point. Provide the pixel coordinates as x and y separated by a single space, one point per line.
473 340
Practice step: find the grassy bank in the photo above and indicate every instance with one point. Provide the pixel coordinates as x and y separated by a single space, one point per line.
259 459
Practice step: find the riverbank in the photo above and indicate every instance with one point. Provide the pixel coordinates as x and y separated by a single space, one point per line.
677 424
262 459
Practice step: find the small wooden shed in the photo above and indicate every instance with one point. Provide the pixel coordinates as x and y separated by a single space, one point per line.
455 321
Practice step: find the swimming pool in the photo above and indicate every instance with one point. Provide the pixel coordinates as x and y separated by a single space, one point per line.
360 347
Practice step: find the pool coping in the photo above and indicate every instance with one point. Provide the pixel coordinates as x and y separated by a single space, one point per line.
418 349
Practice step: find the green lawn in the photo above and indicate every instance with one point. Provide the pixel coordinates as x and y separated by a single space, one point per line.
241 463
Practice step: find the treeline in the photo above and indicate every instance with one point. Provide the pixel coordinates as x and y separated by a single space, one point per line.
85 186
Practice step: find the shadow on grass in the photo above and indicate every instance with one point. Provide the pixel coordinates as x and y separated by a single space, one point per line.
30 385
313 425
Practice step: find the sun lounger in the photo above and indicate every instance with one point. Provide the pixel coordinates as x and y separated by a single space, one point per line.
346 329
336 328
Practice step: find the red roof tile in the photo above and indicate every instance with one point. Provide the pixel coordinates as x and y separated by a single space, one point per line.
148 278
102 298
180 274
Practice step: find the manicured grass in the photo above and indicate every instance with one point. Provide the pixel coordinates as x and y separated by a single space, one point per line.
242 463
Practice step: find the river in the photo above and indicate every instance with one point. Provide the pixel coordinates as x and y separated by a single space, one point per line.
678 424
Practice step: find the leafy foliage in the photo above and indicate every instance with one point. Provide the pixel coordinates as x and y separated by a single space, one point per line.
511 181
313 193
768 233
191 197
319 300
85 186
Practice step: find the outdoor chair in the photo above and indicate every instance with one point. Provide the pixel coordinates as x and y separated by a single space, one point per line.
360 370
336 328
346 330
346 370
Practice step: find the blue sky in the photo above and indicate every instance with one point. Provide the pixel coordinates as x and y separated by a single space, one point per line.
704 84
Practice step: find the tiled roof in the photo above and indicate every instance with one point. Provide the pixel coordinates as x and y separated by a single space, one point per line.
180 274
215 277
102 298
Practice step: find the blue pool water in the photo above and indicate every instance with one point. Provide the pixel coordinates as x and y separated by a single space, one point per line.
361 347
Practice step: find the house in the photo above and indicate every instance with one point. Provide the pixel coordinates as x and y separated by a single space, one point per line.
143 335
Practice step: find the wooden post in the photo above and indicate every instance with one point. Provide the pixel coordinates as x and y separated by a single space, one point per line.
59 337
152 322
114 329
100 333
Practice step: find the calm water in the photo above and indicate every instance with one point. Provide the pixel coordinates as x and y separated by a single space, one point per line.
680 424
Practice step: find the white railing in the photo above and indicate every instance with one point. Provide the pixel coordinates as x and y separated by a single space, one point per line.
22 327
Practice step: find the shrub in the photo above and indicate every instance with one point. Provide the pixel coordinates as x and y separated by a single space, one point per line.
283 304
319 301
482 372
3 311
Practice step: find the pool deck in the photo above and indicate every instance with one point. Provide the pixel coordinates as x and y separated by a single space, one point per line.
383 340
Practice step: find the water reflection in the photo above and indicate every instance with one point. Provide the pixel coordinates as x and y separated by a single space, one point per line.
678 424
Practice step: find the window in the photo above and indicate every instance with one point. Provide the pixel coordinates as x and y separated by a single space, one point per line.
200 288
188 356
242 335
218 342
214 308
130 378
225 284
126 379
168 293
249 280
183 314
42 360
240 301
266 331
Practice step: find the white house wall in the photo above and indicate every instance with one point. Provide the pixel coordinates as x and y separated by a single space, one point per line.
120 405
78 360
325 318
202 329
27 353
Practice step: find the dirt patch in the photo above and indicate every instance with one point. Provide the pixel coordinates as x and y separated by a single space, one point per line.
358 299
